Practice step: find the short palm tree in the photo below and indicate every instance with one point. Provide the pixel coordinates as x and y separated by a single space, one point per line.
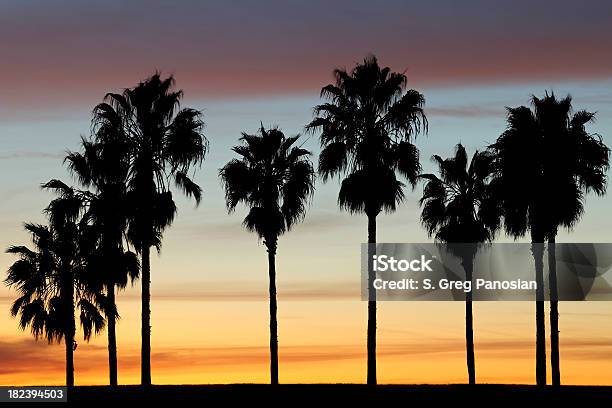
165 144
275 179
52 278
367 129
458 210
103 167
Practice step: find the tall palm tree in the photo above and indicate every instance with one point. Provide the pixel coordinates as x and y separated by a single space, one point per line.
52 278
367 128
275 179
458 210
165 144
574 163
103 166
517 184
546 162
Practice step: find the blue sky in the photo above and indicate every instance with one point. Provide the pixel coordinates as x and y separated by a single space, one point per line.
473 115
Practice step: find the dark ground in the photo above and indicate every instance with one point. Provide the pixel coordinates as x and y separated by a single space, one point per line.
323 394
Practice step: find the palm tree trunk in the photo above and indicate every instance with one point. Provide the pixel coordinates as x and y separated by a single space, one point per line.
112 337
273 317
145 362
69 360
70 332
537 248
371 380
554 313
468 265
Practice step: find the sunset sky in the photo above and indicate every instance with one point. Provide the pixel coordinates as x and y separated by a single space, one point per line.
243 62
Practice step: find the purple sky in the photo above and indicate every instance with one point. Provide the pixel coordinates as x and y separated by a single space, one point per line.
71 51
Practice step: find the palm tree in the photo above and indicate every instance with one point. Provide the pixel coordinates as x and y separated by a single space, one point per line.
367 129
275 179
52 278
546 161
165 143
458 210
103 166
574 163
517 184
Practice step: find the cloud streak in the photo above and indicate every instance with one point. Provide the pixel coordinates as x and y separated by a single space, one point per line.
32 155
245 291
465 112
23 360
279 48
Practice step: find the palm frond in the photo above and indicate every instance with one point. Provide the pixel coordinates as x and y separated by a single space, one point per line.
92 321
238 180
407 161
190 188
297 189
333 160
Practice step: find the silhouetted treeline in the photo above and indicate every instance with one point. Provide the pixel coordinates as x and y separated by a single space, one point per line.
143 146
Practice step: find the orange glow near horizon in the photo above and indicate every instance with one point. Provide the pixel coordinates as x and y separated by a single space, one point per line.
323 341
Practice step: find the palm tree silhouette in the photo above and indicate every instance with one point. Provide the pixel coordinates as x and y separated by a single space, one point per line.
570 162
165 143
52 278
518 185
275 179
366 134
458 210
103 166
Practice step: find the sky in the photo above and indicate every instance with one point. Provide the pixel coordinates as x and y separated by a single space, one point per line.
246 63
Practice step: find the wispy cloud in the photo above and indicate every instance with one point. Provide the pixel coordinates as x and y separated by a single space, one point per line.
465 111
31 155
251 291
27 359
231 227
29 356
